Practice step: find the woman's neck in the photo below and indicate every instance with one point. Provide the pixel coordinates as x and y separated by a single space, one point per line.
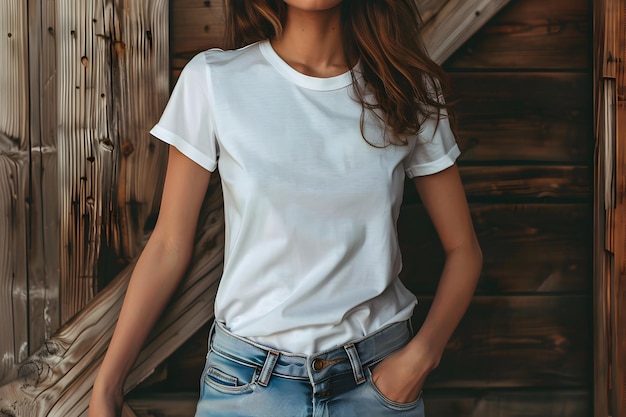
312 42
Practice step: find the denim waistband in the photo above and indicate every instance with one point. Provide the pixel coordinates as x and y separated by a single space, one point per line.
350 358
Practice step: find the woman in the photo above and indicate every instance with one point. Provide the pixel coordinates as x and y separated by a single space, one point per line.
314 121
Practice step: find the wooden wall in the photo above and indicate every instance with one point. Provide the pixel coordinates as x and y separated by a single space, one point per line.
82 84
524 91
524 87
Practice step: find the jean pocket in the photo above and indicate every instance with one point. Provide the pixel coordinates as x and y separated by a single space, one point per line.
227 376
393 405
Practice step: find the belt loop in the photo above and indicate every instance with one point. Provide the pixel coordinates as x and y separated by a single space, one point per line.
355 361
268 368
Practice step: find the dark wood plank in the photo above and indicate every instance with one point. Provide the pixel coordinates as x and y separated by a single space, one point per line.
506 403
527 248
196 25
520 183
164 404
543 117
517 341
531 34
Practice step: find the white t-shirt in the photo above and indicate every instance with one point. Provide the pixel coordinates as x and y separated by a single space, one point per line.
311 251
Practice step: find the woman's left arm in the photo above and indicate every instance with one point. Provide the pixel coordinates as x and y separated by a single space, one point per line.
401 376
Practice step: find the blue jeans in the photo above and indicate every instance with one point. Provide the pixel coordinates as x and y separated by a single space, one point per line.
243 378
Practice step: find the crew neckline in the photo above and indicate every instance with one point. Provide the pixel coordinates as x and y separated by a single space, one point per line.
307 81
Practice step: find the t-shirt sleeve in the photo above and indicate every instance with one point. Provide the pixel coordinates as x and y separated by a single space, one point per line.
434 148
187 121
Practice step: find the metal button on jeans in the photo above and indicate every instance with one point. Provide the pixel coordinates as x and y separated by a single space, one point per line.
318 365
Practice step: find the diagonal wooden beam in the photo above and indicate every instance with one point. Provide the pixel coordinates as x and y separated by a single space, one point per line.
455 23
57 380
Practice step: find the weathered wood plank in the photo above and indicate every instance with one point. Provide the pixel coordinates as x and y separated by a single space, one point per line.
14 171
506 403
13 264
140 92
114 59
43 248
531 34
57 380
524 117
429 8
490 403
84 145
609 209
527 248
14 76
517 341
521 183
455 23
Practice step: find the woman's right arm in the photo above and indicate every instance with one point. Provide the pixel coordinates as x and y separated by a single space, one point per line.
156 276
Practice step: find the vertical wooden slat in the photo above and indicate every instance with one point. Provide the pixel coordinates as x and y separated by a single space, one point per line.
620 213
610 210
43 242
110 169
14 170
83 144
141 95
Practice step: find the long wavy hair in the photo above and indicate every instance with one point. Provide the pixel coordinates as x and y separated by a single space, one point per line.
384 37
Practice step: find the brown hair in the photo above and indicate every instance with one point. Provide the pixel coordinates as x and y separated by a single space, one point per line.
383 35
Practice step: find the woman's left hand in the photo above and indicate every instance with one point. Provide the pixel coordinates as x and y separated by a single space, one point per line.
400 376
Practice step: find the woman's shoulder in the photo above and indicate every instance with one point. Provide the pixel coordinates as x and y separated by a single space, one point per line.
216 57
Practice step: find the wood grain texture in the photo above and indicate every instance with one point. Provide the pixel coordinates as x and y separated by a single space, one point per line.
521 183
527 248
13 262
43 249
531 34
14 76
113 55
609 207
536 116
196 25
57 380
508 403
620 219
517 341
84 144
14 181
